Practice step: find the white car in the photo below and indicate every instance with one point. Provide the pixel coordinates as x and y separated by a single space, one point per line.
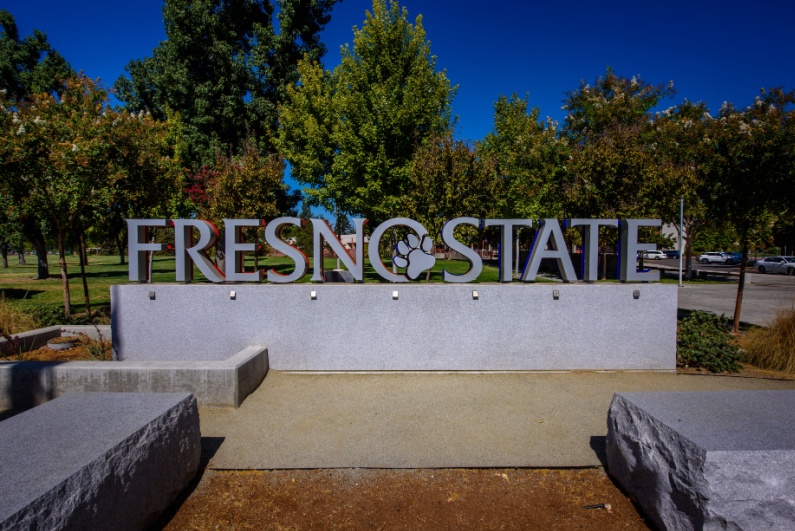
776 264
654 255
712 257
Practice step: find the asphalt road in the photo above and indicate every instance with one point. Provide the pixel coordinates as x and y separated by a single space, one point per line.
762 298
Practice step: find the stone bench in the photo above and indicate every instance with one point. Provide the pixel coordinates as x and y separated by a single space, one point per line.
97 460
214 383
706 460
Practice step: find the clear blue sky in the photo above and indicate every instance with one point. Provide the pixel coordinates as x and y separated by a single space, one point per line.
713 50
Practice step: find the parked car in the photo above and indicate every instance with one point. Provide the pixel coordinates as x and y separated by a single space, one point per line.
672 254
712 257
654 255
733 258
776 264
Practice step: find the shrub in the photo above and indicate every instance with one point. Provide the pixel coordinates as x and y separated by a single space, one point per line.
773 347
51 316
97 349
704 341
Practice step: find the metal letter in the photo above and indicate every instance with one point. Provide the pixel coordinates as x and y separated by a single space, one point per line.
549 233
506 241
138 247
322 231
375 242
273 237
187 253
448 237
234 247
628 236
590 244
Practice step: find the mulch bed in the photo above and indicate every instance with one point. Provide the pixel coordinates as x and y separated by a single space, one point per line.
404 499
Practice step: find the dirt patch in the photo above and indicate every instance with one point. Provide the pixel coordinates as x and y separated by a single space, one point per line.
84 349
404 499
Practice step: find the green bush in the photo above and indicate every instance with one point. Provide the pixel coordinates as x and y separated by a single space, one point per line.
704 341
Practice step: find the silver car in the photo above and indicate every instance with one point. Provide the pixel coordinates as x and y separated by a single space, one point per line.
776 264
654 255
712 257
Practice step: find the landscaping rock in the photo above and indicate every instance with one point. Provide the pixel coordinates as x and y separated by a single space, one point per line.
97 460
706 460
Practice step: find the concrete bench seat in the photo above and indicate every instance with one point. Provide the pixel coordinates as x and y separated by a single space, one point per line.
706 460
214 383
97 460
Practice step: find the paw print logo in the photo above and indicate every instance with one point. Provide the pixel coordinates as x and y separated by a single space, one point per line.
415 255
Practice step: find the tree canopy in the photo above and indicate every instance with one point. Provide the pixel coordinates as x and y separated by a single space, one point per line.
224 68
29 65
351 134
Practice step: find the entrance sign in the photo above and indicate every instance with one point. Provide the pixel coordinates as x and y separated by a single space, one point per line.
414 254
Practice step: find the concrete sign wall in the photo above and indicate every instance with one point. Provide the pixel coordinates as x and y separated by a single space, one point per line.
356 327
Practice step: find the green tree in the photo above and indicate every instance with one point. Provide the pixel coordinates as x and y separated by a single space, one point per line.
351 134
530 160
681 152
448 179
28 65
148 152
750 176
224 68
613 171
67 158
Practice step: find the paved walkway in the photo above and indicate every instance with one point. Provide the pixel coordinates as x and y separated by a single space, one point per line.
419 420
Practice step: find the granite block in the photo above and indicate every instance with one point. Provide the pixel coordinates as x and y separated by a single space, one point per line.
97 460
214 383
706 460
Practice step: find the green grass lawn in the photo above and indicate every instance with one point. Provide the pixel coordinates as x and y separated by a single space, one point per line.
18 287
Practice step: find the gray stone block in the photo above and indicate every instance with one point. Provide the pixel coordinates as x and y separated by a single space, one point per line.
97 460
214 383
358 327
706 460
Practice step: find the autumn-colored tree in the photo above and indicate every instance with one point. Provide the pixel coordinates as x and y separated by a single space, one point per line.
248 186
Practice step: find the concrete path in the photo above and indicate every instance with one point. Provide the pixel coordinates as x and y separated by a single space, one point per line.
418 420
761 299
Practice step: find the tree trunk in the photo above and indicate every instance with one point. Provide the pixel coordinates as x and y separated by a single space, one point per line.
120 247
81 238
67 301
4 254
86 298
21 257
738 305
42 267
604 262
688 258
